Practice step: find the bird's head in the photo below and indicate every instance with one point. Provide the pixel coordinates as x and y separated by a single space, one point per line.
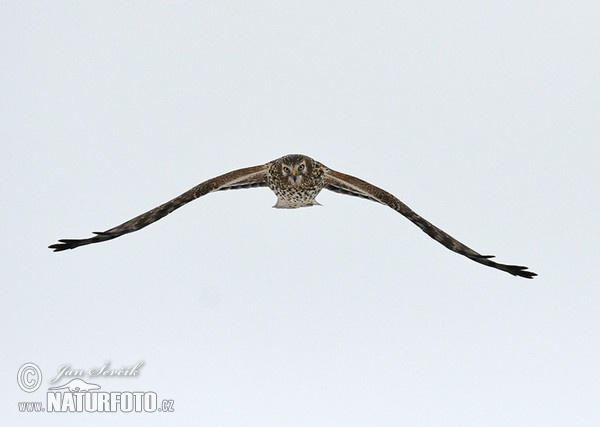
294 167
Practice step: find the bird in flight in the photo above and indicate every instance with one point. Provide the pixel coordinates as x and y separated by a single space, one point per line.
296 180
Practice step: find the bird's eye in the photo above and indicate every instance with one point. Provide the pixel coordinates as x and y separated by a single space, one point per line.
286 169
301 167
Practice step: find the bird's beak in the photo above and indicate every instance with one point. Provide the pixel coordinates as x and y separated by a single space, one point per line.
294 172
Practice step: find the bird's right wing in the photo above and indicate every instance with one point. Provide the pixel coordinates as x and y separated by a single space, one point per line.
255 176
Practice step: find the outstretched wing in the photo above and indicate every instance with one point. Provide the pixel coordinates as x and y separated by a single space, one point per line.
255 176
347 184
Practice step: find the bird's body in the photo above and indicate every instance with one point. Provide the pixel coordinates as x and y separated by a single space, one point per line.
300 185
296 180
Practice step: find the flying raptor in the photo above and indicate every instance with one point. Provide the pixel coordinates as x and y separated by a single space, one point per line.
296 180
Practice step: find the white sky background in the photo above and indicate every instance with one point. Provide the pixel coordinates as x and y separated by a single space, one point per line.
481 117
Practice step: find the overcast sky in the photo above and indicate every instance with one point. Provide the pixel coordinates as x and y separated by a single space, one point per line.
481 116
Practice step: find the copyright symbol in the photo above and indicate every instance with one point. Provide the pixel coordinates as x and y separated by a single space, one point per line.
29 377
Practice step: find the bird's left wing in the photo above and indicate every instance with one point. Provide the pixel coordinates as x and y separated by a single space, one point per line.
255 176
348 184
